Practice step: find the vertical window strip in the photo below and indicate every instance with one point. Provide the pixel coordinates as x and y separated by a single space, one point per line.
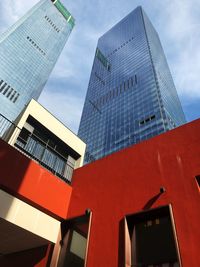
6 90
16 98
136 81
10 91
13 95
1 82
2 88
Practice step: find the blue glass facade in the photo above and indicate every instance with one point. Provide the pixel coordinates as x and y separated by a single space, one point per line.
28 53
131 95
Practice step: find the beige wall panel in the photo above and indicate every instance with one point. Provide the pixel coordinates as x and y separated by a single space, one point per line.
27 217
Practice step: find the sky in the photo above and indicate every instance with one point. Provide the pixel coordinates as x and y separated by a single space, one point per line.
177 23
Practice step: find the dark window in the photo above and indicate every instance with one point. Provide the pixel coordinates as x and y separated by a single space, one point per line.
13 95
6 90
131 81
16 98
151 239
23 136
128 84
74 234
124 86
1 89
11 89
135 79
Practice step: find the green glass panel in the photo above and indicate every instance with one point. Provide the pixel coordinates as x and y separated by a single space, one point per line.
66 14
103 59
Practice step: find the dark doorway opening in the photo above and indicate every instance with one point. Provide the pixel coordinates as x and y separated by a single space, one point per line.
150 239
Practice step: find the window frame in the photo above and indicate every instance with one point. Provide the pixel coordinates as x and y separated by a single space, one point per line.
128 239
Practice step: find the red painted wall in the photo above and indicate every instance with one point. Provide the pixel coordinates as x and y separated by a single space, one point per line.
127 182
32 183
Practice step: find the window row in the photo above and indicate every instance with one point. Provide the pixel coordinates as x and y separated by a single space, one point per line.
114 51
131 82
148 239
147 120
35 45
50 158
8 91
52 24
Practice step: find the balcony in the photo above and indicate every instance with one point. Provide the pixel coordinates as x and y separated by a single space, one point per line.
36 142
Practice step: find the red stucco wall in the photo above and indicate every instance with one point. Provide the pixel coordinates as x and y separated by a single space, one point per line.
32 183
126 182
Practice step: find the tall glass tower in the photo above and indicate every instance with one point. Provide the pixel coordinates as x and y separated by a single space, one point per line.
131 95
28 53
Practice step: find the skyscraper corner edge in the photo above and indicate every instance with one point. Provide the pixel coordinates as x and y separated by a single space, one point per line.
29 49
63 10
135 98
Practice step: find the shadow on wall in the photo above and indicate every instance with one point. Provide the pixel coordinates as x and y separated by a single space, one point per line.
13 166
31 258
121 246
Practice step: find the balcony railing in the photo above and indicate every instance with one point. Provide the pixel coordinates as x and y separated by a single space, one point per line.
38 150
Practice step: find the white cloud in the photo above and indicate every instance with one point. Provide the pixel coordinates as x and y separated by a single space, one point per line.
11 11
179 29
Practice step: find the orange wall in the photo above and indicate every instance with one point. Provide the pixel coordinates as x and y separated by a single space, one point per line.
129 181
27 180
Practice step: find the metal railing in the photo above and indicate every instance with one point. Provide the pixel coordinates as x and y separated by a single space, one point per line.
36 149
7 127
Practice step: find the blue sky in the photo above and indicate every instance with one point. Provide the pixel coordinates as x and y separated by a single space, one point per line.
177 23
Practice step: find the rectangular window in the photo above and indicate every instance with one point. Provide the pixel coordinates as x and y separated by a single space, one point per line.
9 93
73 244
135 79
150 240
1 82
6 90
13 95
16 98
1 89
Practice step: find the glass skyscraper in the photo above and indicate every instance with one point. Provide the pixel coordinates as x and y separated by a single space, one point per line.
28 53
131 94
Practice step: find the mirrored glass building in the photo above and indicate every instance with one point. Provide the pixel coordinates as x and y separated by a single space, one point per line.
131 95
28 52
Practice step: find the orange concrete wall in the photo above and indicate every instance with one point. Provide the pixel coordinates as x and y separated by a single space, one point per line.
129 181
32 183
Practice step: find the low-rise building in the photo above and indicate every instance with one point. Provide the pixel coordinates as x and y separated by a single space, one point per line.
41 136
136 207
